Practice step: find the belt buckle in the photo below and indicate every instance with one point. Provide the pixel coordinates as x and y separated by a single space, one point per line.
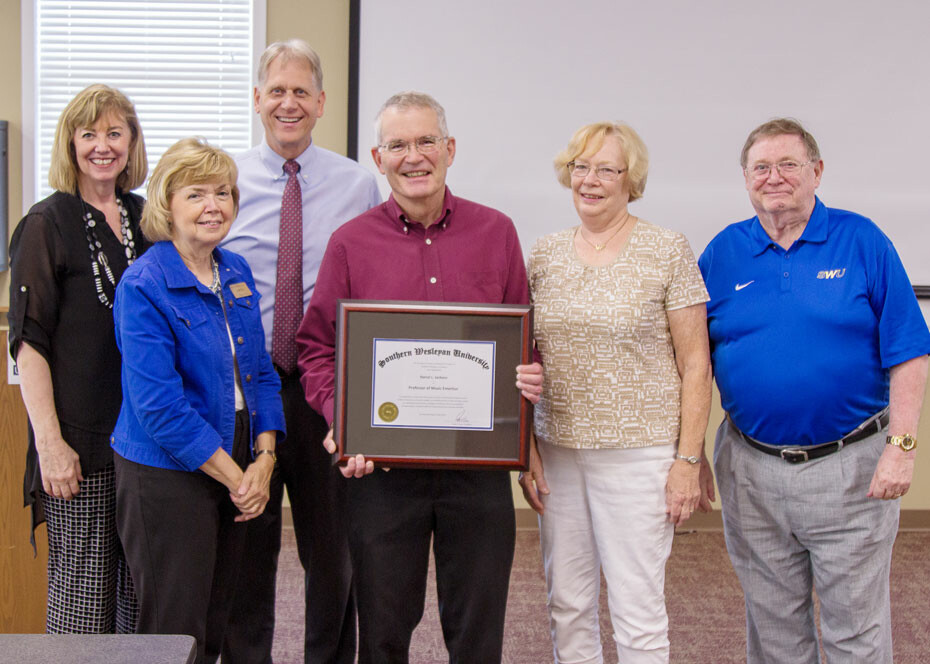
794 455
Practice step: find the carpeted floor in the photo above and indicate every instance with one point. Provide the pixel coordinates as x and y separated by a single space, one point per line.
704 601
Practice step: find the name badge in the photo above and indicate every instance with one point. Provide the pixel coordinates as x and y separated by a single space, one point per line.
240 289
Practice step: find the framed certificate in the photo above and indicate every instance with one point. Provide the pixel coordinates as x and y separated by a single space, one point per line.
431 384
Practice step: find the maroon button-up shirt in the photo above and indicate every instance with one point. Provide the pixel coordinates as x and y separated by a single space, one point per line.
471 254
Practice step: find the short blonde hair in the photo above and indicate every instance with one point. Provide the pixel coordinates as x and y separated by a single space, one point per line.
590 138
87 107
292 49
189 161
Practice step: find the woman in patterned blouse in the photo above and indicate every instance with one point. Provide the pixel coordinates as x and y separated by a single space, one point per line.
621 325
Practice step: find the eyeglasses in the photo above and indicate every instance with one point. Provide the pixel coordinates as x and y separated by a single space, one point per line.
787 168
606 173
424 145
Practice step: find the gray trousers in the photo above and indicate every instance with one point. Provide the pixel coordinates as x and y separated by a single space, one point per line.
792 528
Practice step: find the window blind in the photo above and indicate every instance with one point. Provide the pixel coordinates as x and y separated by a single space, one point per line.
187 67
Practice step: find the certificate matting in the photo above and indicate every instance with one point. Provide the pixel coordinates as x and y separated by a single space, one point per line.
361 322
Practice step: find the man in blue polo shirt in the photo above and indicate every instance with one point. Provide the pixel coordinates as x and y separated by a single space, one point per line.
820 352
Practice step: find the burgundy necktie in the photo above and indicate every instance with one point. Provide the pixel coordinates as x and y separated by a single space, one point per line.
289 288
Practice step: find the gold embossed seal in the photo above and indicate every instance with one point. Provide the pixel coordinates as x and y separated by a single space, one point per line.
387 411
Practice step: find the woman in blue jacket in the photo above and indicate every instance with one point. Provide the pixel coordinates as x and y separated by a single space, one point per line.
201 413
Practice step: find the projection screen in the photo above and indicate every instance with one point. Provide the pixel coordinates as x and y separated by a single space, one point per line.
693 78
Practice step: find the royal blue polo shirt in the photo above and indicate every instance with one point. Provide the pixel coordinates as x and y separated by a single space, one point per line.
802 339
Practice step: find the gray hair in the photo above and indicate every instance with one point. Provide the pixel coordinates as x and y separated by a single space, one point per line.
292 49
412 99
781 127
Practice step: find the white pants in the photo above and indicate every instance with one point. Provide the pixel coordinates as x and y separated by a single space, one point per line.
606 509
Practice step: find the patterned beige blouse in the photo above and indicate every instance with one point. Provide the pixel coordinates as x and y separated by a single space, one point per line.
610 375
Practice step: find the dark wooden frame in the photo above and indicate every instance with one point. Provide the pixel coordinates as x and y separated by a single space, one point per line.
360 321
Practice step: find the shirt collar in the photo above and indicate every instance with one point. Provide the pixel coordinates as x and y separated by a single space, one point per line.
177 274
815 231
448 205
275 162
818 226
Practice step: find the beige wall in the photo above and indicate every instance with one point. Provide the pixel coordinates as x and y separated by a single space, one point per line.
325 26
323 23
11 110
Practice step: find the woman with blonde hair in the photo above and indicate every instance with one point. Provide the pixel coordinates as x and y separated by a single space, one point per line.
67 256
201 415
620 322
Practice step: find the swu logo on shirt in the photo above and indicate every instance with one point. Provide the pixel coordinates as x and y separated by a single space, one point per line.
831 274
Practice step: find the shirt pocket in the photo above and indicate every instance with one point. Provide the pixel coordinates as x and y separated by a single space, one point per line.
483 286
248 311
189 316
247 303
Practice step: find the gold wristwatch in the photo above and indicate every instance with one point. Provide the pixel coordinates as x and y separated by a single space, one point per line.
906 441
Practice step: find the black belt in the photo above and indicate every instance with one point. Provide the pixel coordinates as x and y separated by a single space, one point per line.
795 454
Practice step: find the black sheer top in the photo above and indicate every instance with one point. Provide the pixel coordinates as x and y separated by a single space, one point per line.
54 306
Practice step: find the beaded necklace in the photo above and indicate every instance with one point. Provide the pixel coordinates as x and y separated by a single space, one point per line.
98 259
216 286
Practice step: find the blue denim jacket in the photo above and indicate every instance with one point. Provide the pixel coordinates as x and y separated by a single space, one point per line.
178 373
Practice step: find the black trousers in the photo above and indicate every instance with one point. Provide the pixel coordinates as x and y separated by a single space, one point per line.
469 516
316 492
183 547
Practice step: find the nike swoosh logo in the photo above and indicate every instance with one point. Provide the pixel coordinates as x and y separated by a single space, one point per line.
742 286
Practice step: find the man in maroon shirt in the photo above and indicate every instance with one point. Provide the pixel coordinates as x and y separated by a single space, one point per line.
422 244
